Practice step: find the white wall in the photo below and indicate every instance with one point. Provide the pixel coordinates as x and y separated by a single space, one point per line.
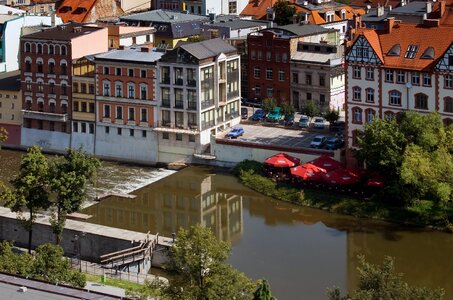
84 140
48 140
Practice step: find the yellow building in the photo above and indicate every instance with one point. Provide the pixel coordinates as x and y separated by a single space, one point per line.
11 106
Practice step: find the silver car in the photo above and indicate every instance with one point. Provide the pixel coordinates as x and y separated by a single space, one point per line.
318 142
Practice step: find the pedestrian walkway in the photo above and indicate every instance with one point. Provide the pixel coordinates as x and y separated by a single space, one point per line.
105 289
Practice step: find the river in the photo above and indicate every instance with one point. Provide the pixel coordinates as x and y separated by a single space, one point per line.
300 251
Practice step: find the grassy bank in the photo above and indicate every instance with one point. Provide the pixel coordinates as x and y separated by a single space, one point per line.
124 284
420 213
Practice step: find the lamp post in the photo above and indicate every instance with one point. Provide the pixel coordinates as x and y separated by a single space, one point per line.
408 87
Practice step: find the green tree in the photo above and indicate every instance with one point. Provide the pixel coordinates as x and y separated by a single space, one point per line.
269 104
202 273
263 292
332 116
381 282
311 109
287 109
30 190
69 176
3 134
12 263
284 13
50 265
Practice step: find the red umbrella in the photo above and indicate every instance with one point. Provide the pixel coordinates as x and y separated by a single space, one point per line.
341 176
327 163
282 160
307 172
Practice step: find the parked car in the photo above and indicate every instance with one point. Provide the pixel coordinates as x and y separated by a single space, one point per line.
258 115
236 132
334 143
319 123
275 115
304 121
337 126
318 141
244 113
289 120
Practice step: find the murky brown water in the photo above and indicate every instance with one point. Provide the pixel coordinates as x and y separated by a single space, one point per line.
300 251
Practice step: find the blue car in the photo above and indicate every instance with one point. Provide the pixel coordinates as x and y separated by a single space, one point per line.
258 115
235 132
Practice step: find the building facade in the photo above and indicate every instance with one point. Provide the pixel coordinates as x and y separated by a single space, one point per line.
398 69
10 106
199 96
46 77
126 104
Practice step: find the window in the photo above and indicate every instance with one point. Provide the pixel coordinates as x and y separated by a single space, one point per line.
83 88
91 88
270 92
64 89
51 67
75 87
369 73
143 133
415 78
281 75
277 57
106 70
143 115
295 77
28 85
143 92
107 88
322 99
308 96
369 95
75 126
448 104
284 57
91 128
269 74
119 89
27 66
268 56
450 60
63 50
356 93
75 106
106 111
83 127
253 55
192 138
179 136
64 109
119 131
143 75
362 52
165 135
426 79
131 91
389 115
51 49
39 49
39 66
91 107
411 51
448 81
308 78
131 132
41 87
357 73
260 55
257 90
322 80
421 101
27 47
370 115
400 76
395 98
257 72
64 69
118 71
131 115
119 112
130 72
357 115
389 76
107 130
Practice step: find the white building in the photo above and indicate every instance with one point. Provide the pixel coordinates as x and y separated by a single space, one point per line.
403 67
199 96
218 7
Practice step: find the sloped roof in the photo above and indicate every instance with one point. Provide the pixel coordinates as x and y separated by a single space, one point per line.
307 29
208 48
257 8
406 34
316 12
375 3
75 10
163 16
131 54
63 32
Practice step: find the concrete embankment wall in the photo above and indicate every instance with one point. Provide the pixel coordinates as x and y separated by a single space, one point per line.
88 240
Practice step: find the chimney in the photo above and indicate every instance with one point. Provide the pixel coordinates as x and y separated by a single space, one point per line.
368 7
390 22
442 8
144 49
429 7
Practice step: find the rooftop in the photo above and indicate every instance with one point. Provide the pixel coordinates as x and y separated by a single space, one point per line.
6 18
163 16
307 29
10 81
65 32
412 8
235 24
208 48
132 54
74 10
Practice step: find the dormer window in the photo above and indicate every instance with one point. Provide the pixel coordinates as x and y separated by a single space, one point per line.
330 17
395 50
429 53
411 51
343 14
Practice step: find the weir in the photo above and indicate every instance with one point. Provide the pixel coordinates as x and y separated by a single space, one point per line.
114 248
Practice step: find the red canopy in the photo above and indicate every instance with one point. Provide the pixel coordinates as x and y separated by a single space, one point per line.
308 172
376 181
282 160
327 163
341 176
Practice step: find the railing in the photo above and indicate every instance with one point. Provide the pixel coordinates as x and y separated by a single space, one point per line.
45 116
179 104
165 103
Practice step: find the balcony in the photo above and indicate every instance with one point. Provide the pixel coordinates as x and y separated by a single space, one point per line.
45 116
167 126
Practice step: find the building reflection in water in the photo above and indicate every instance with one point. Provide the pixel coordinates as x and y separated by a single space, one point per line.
190 196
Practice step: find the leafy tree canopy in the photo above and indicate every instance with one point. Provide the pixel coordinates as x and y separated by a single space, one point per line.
263 292
311 109
287 109
332 116
269 104
283 12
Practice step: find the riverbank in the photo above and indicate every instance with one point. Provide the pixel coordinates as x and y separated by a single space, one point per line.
420 213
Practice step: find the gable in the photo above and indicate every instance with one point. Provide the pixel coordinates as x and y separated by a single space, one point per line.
445 63
362 51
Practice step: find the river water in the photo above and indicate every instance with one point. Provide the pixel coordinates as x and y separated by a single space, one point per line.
300 251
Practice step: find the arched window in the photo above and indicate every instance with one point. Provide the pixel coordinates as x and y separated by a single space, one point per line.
63 50
421 101
356 115
106 88
395 98
39 49
370 114
28 62
118 89
448 104
131 90
388 115
51 49
27 47
356 93
39 63
64 67
52 105
370 95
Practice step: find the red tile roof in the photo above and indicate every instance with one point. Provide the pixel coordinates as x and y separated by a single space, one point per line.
406 34
75 10
375 3
257 8
315 16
